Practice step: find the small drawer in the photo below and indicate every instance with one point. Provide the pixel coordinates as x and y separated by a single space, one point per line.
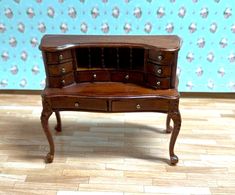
60 69
138 105
161 57
127 76
61 81
156 82
58 57
92 76
75 103
160 71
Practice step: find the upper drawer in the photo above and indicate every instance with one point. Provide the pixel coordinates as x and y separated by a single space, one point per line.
92 76
161 57
139 104
60 69
58 57
127 76
160 71
156 82
75 103
61 81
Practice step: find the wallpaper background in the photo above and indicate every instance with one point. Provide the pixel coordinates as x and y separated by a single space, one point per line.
207 28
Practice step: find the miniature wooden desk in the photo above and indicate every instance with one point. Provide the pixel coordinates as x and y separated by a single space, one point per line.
111 74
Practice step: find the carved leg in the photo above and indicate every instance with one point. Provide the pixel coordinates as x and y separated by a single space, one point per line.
176 117
58 119
169 128
46 113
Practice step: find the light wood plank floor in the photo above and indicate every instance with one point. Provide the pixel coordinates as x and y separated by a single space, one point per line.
121 154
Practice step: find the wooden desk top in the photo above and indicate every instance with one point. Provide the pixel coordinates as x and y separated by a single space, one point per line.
61 42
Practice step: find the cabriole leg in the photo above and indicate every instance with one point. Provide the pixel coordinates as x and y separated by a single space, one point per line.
176 117
46 113
58 119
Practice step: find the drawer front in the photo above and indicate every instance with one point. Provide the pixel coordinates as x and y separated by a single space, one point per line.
156 82
137 105
92 76
61 81
58 57
60 69
161 57
160 71
127 76
75 103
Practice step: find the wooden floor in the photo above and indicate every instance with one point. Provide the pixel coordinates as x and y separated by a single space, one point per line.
120 154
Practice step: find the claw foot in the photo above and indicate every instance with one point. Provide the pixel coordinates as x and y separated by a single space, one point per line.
174 160
49 158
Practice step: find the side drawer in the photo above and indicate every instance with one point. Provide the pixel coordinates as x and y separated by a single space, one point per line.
75 103
60 69
58 57
158 70
61 81
137 105
127 76
156 82
161 57
92 76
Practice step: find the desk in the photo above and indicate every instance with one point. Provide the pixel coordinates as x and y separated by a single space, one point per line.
110 74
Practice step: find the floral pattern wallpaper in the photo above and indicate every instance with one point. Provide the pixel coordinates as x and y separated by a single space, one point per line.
207 29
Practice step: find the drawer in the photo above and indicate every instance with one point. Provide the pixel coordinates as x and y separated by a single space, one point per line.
160 71
133 105
156 82
92 76
127 76
58 57
161 57
60 69
75 103
61 81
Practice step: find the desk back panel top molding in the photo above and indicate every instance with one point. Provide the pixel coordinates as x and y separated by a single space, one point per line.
110 74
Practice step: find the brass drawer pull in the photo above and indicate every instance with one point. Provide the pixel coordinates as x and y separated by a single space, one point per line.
76 104
158 83
160 57
63 70
94 76
61 57
138 107
63 82
159 71
127 77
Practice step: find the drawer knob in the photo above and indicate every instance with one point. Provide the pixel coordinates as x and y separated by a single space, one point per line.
138 106
159 71
63 82
63 70
76 104
160 57
158 83
61 57
94 76
127 77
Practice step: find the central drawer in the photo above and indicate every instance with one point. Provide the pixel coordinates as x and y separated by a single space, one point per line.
139 105
75 103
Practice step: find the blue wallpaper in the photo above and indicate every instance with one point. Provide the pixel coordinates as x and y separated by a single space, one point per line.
207 28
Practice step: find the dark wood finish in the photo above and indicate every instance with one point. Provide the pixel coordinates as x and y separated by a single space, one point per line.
111 74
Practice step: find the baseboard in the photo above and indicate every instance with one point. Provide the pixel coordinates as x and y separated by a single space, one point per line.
207 95
182 94
21 92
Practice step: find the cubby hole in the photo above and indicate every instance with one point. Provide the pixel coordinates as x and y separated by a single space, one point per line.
110 57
